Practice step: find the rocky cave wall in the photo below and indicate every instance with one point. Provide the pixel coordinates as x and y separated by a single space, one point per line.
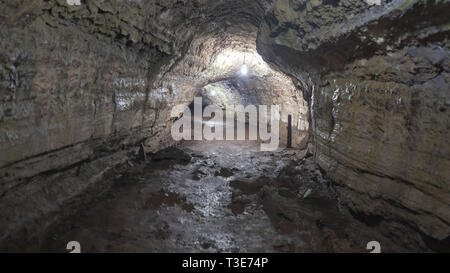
83 86
377 78
66 101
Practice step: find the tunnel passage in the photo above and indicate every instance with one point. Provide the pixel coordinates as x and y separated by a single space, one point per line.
260 85
87 94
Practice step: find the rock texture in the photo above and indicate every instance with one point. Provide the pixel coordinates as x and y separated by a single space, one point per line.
65 101
378 78
264 202
82 87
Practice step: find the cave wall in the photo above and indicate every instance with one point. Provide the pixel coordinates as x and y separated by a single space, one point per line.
65 91
382 133
73 92
83 86
103 75
377 78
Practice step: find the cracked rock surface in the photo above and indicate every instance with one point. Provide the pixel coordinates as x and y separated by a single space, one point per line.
84 88
265 202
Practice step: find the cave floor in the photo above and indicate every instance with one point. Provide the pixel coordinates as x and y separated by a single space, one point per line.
212 197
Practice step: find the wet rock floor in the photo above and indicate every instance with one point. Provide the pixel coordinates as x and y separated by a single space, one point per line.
212 197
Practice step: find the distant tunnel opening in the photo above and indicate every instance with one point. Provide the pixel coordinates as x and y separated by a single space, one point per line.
235 94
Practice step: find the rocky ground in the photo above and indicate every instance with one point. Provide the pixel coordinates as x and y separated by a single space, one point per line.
212 197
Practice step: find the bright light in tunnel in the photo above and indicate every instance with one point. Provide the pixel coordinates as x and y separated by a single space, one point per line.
230 61
244 70
213 93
